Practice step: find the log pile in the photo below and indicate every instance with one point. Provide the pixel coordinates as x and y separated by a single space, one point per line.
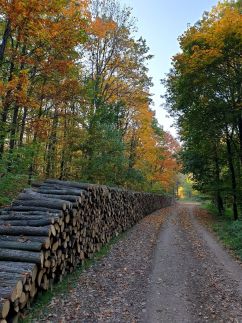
52 227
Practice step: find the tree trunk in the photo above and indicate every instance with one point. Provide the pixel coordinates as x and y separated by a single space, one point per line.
33 246
13 128
21 255
51 160
219 200
240 138
24 230
6 35
232 173
40 112
22 128
4 114
14 123
132 153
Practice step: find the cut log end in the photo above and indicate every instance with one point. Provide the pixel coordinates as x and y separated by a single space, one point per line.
4 308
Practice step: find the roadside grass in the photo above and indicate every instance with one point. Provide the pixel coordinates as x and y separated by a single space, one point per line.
227 230
40 304
189 200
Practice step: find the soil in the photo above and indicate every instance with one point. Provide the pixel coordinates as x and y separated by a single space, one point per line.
167 268
194 279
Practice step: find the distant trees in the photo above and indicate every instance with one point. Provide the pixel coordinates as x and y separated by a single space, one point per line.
74 96
204 94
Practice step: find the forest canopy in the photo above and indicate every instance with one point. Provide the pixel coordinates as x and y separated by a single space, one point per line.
204 95
75 97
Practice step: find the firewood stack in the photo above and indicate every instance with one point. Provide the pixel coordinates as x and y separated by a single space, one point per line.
54 226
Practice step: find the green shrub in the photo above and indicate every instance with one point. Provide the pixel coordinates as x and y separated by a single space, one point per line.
10 186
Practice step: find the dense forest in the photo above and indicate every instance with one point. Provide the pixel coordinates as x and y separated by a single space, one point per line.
204 95
75 99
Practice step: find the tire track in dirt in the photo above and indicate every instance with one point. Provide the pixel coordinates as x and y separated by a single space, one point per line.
194 279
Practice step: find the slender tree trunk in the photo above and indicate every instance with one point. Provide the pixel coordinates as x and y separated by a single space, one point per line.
62 166
6 35
30 173
240 138
4 114
32 165
7 102
22 128
3 124
63 153
220 204
233 175
12 136
132 153
50 166
219 200
14 123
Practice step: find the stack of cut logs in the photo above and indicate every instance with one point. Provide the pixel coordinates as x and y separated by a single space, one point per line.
52 227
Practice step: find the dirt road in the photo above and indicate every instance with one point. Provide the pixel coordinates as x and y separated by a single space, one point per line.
168 268
193 279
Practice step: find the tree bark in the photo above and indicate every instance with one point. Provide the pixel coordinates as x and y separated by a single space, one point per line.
18 231
6 35
4 114
240 138
232 173
219 199
44 240
28 246
22 129
21 255
19 267
51 148
45 203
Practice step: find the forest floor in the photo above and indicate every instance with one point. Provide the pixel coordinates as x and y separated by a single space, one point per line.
167 268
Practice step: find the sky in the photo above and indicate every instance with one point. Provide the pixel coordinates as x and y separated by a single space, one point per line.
161 22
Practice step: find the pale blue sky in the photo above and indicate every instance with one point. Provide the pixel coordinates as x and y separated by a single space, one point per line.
160 22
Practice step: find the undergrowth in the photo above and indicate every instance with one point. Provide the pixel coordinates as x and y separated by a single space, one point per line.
39 306
10 186
228 230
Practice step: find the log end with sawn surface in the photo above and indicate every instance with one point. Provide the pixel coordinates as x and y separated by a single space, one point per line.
52 227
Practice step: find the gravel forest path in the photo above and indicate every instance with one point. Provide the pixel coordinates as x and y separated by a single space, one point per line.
167 268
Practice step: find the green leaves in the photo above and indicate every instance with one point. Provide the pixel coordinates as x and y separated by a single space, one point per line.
74 96
203 93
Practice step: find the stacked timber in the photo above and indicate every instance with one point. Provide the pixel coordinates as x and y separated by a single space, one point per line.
52 227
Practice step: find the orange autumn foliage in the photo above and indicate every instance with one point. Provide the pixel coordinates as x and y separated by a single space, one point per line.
169 165
100 28
208 42
75 94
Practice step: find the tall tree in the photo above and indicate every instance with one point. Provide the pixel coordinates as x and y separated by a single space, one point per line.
204 91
